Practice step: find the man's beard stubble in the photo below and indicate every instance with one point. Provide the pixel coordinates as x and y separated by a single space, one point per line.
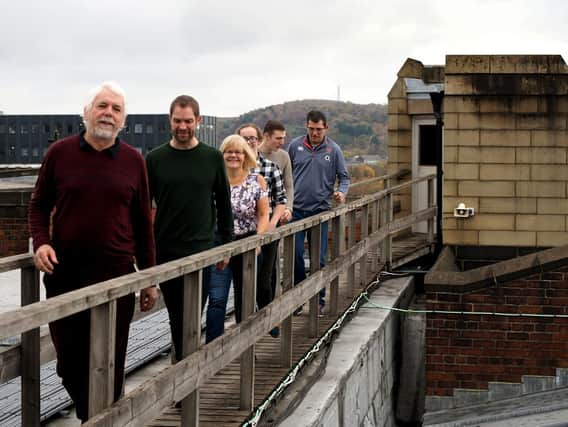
190 133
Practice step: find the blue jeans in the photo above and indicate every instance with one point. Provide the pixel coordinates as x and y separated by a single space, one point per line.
299 266
218 293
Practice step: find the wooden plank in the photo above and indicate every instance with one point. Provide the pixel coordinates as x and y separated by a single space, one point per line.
191 339
338 229
374 227
286 338
16 262
10 366
315 249
386 218
30 383
101 357
351 225
18 321
147 400
364 234
248 306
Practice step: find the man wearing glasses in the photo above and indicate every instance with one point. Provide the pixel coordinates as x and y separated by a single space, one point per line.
317 161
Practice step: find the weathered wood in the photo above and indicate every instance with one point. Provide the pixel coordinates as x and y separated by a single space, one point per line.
315 249
187 380
30 382
286 338
364 234
16 262
101 357
148 400
351 225
10 366
17 321
338 240
191 339
386 218
249 302
374 227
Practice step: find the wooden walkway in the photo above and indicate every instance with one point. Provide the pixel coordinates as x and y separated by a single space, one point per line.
219 397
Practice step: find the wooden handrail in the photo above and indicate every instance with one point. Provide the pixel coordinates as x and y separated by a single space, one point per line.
180 381
23 319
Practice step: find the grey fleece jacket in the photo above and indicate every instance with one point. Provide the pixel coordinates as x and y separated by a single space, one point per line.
315 171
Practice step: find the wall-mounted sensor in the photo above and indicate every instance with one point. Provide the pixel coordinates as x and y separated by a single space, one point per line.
462 211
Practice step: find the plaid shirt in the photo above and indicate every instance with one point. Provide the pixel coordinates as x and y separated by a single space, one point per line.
274 181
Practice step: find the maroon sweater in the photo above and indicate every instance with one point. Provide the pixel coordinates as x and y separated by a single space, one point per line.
102 205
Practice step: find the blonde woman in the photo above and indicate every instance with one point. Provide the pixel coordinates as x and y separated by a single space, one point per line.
249 201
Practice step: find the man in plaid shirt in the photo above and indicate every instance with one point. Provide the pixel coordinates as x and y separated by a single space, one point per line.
277 197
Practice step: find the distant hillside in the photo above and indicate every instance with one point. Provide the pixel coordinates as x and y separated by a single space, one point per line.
358 128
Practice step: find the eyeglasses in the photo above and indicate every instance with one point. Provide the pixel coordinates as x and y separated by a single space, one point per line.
250 138
316 130
236 153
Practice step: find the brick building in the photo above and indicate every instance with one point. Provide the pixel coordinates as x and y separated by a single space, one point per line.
505 154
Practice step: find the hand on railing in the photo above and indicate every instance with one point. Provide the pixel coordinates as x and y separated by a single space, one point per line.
339 197
44 258
286 216
221 265
148 297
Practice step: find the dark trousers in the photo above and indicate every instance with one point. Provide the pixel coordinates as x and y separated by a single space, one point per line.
71 334
172 291
299 266
266 279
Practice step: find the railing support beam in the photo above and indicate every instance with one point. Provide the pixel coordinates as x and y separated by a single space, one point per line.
191 339
30 352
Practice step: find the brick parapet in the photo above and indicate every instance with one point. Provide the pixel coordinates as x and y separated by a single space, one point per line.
465 350
14 233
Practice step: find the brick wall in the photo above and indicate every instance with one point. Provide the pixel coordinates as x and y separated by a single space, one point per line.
14 233
468 351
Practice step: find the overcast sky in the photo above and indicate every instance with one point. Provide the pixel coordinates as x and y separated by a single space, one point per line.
236 56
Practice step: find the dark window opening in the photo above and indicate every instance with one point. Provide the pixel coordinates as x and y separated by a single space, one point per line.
427 145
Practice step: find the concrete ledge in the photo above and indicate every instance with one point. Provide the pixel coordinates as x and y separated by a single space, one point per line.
356 388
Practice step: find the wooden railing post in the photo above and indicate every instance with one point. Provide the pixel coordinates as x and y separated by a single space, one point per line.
248 305
101 357
364 234
338 230
374 228
315 249
430 204
30 352
191 339
386 218
351 224
286 340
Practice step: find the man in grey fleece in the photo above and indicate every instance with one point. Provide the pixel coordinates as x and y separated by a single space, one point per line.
317 161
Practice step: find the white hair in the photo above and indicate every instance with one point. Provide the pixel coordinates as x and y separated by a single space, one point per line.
109 85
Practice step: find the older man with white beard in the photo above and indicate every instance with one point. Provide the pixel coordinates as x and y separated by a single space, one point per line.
90 221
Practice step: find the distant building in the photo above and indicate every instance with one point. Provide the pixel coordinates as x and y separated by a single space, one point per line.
24 139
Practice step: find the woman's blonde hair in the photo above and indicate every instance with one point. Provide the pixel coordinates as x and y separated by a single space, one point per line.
238 142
